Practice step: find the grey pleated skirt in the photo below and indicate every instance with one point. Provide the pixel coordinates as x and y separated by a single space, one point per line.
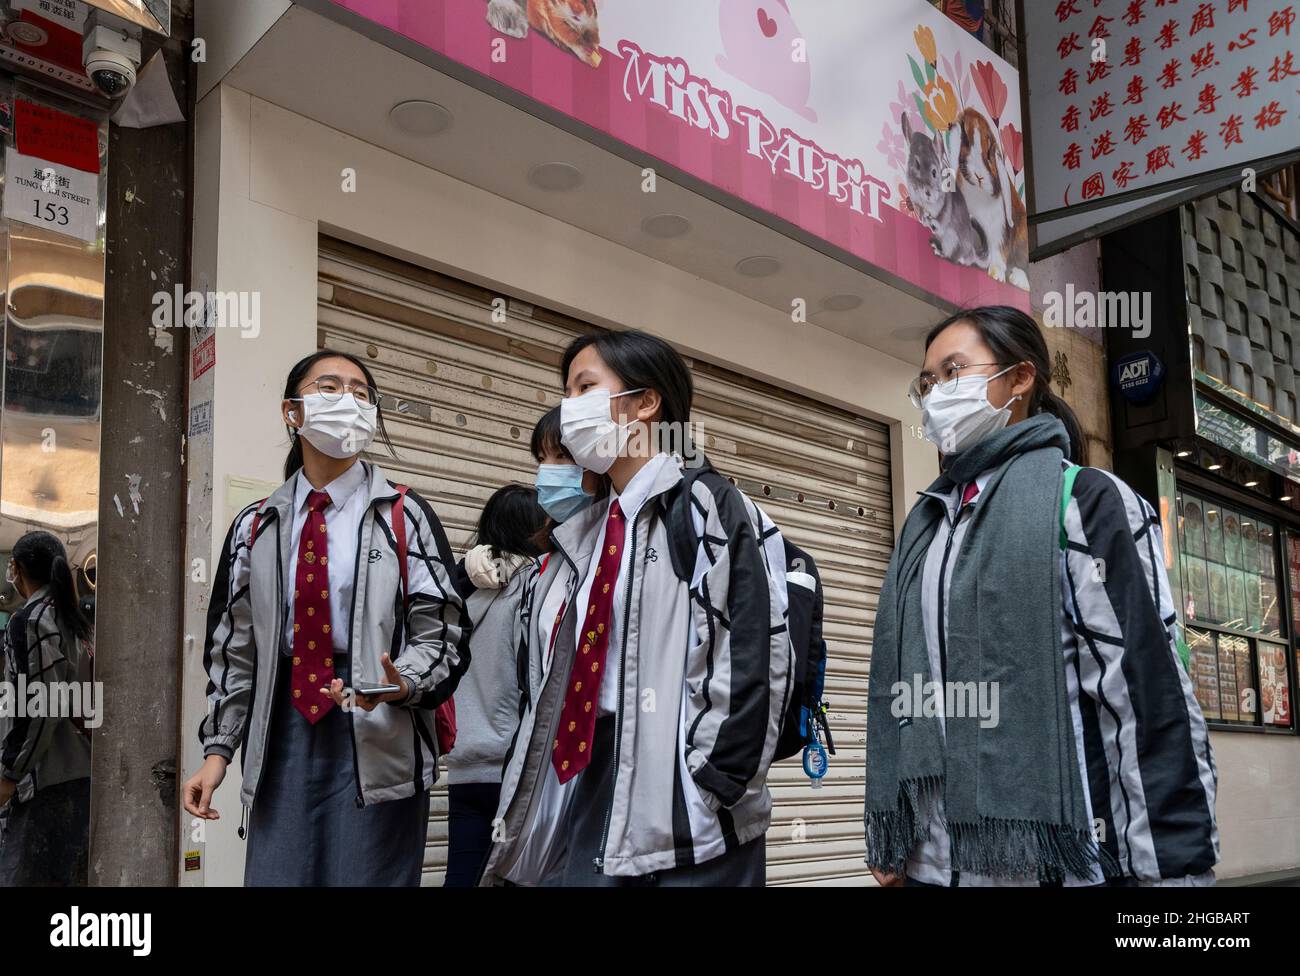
305 827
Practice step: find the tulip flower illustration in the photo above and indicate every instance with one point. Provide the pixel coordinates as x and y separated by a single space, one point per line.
924 38
1013 144
940 104
991 88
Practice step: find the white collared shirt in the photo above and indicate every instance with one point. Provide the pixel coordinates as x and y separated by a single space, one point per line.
342 520
551 810
634 496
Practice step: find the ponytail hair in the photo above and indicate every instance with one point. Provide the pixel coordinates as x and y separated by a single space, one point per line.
44 562
299 372
1014 337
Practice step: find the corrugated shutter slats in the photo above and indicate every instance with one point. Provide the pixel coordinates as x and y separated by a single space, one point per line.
470 381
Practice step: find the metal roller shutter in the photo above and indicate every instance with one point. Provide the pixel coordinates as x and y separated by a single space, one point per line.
471 380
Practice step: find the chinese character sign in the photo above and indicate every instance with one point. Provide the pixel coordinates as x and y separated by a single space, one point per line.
1137 94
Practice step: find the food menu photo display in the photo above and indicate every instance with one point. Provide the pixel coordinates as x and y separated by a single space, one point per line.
1229 567
1229 572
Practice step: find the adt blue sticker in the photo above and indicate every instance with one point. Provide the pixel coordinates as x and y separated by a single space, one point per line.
1138 376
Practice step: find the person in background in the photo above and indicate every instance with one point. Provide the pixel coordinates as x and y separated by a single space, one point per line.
45 761
642 759
1083 758
310 607
511 536
564 490
563 487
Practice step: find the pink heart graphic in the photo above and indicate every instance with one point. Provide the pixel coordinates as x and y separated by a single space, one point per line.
766 24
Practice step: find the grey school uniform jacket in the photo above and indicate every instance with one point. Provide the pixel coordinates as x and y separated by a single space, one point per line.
720 644
395 744
487 701
38 752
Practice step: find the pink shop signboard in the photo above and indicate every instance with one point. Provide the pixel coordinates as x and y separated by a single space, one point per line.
881 128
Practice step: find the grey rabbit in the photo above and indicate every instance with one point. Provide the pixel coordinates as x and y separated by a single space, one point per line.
952 233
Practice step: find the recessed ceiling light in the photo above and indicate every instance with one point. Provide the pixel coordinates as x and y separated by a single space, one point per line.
1214 467
1251 484
555 177
418 117
842 303
1184 454
759 267
666 225
1285 498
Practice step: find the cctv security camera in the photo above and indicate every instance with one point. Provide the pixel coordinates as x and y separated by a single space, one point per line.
112 57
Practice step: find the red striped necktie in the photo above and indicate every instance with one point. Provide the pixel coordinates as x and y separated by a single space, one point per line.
572 750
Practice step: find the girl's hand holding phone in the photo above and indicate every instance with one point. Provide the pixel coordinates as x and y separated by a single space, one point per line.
367 703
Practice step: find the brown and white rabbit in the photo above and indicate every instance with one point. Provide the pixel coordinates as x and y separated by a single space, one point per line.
995 206
952 233
571 24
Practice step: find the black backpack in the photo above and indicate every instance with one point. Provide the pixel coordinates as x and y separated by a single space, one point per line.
804 616
806 709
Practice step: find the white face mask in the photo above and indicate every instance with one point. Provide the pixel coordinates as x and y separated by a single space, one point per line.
588 431
955 421
10 578
339 428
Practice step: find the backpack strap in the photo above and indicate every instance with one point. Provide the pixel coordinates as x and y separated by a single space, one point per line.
444 714
683 540
257 521
399 536
1067 492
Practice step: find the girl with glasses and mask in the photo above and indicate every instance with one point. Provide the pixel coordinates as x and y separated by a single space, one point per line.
1029 720
325 658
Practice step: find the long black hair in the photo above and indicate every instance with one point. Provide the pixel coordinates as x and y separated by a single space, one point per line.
512 522
44 562
299 372
1014 337
642 361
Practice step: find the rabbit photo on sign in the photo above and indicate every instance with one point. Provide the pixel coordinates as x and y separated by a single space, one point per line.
570 24
953 235
993 203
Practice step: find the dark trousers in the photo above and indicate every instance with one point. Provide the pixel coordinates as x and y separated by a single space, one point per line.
471 808
745 866
46 839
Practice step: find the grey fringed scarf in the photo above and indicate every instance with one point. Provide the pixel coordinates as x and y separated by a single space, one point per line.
1012 797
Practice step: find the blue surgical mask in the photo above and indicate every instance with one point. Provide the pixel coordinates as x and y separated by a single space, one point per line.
560 491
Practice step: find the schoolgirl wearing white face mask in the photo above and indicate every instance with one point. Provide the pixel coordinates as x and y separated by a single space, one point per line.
326 656
1042 585
644 745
